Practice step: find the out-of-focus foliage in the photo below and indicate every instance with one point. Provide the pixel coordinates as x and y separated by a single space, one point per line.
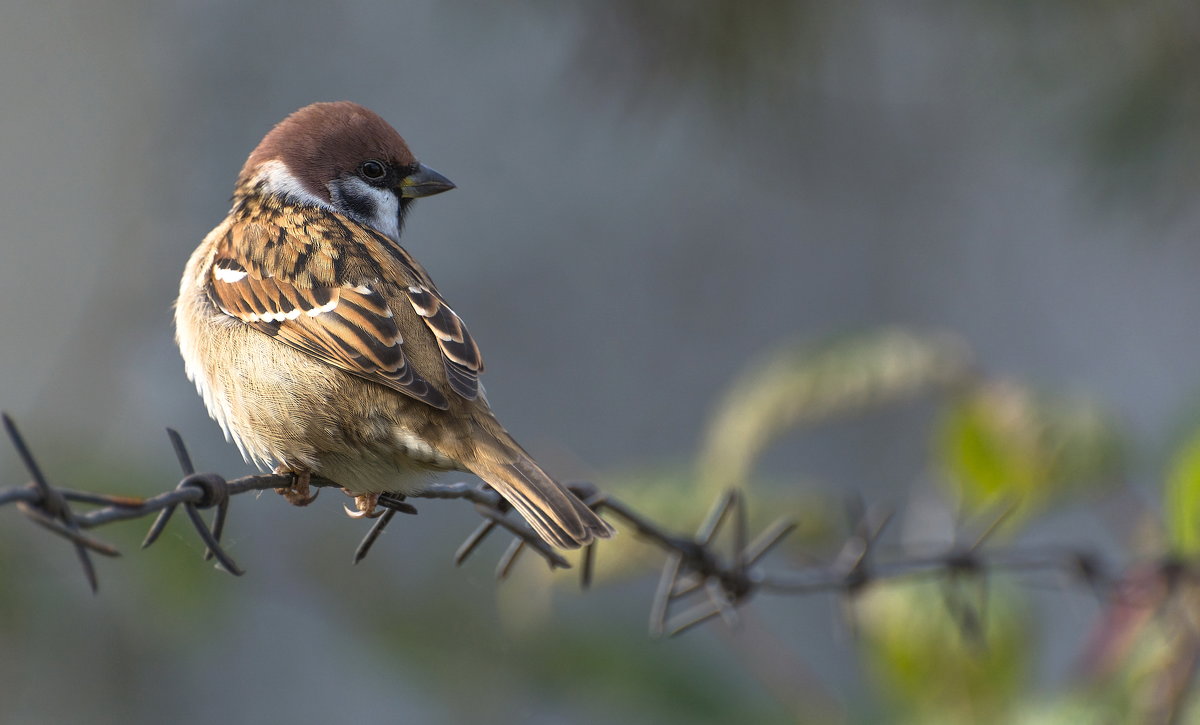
930 667
612 669
806 384
727 51
740 58
1140 661
958 650
1183 498
1003 444
791 387
1150 101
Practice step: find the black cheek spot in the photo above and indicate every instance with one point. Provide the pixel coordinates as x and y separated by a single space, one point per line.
361 206
405 204
354 199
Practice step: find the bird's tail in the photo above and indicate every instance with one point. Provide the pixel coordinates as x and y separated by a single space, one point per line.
554 512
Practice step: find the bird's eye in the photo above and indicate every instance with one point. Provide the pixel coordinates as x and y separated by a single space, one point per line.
372 170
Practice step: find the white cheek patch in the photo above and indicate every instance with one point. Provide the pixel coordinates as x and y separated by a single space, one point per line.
278 180
385 205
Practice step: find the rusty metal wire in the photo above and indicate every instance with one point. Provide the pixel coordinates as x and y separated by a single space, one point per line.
697 578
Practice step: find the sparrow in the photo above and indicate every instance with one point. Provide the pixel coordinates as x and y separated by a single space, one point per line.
320 345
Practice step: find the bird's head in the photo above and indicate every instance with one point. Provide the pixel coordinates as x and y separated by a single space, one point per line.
344 157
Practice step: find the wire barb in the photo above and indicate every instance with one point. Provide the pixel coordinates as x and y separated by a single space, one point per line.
472 541
213 491
376 529
693 567
51 510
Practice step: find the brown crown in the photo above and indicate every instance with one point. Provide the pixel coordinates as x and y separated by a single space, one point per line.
321 142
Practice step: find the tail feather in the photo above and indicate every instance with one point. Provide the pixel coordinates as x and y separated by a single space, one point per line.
555 513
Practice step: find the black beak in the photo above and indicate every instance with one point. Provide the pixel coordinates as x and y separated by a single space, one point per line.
425 182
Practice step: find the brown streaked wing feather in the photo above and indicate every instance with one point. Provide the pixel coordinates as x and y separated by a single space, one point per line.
460 355
348 326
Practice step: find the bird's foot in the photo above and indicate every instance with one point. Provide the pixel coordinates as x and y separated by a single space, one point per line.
300 493
366 505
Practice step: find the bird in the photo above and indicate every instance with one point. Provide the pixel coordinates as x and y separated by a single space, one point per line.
321 346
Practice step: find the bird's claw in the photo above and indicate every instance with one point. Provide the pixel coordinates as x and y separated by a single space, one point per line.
300 493
366 505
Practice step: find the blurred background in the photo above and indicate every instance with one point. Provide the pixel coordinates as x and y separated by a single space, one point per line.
937 255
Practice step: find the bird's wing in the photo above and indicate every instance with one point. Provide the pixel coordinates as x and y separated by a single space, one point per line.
460 355
307 278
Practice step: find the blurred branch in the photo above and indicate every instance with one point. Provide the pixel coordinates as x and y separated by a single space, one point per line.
802 385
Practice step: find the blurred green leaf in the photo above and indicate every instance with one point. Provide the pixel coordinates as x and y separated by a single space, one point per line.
1003 444
1183 498
802 385
1070 711
928 666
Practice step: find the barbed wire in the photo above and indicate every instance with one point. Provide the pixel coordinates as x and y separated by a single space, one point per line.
696 578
